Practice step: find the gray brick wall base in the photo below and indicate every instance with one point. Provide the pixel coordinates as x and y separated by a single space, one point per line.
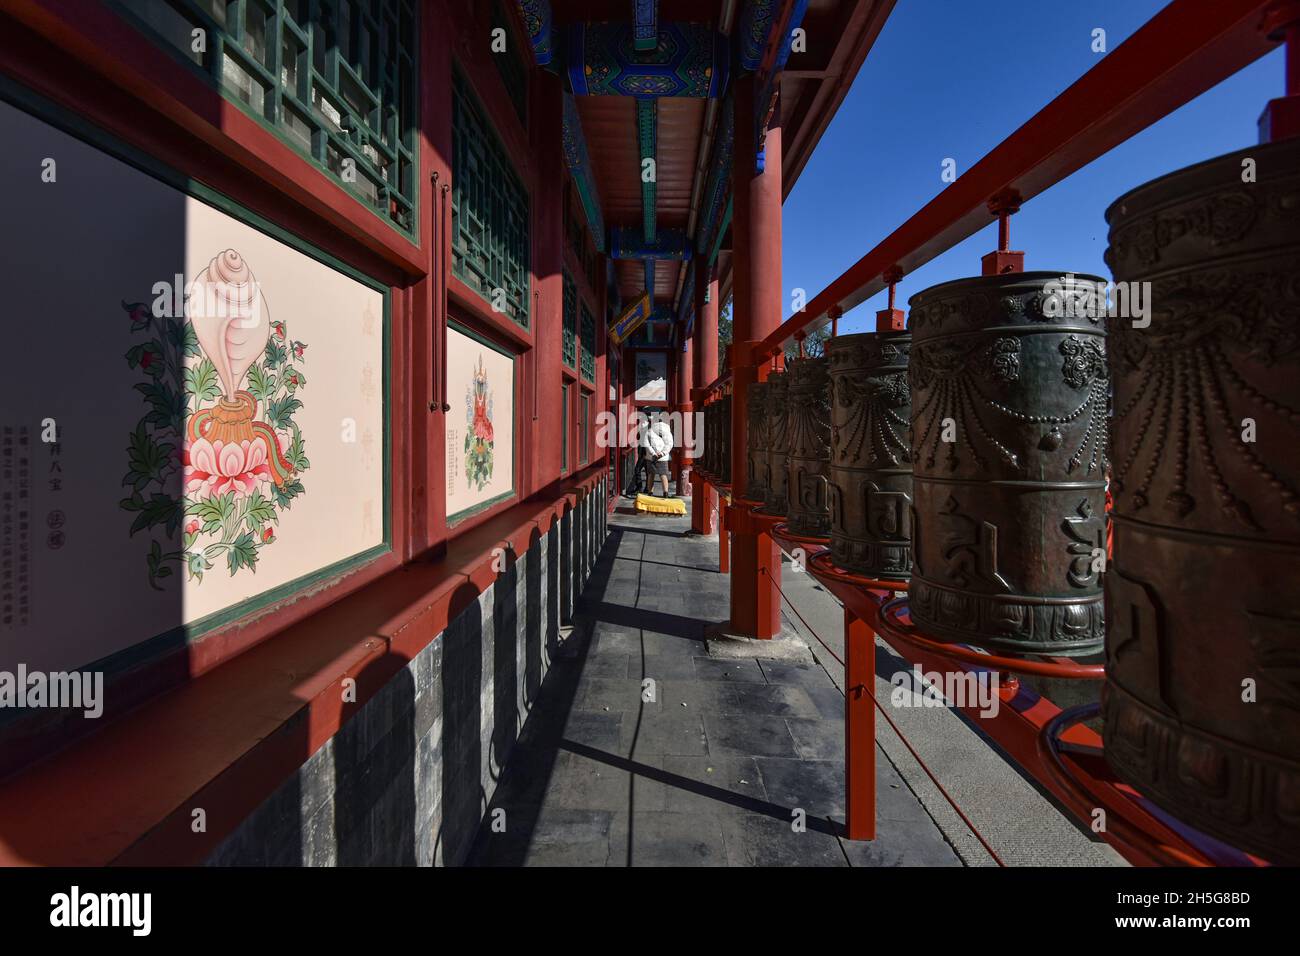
407 780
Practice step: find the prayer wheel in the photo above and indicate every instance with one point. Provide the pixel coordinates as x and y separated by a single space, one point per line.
1201 702
756 475
810 447
724 446
1010 395
871 454
778 442
707 461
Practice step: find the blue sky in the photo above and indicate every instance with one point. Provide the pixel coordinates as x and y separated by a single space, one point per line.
952 78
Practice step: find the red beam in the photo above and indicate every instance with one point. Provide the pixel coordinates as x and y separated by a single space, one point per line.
1184 50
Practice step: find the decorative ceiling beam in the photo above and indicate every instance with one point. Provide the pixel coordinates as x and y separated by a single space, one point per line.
709 227
629 243
579 162
645 32
752 32
647 131
537 20
650 278
689 59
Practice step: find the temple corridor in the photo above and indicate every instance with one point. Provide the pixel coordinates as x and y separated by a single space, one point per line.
711 770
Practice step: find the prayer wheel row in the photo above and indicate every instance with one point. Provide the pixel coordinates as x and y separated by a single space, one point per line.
716 459
972 453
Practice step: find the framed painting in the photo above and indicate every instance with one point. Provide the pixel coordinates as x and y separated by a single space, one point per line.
203 411
480 426
651 377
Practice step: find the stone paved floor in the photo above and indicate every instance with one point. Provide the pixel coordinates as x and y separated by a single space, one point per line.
710 770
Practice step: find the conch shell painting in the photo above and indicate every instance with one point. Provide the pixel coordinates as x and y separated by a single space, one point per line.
223 386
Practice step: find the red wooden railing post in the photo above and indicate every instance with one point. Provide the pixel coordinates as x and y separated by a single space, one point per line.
859 728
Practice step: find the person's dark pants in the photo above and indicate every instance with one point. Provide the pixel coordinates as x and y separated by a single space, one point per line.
640 477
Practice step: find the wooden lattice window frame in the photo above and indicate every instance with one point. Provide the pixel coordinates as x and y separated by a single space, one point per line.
337 80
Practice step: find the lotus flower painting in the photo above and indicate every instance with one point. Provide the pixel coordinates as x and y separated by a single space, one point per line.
479 436
222 385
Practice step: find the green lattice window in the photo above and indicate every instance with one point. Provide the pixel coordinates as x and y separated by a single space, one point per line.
570 340
335 79
565 389
514 73
588 345
584 427
489 210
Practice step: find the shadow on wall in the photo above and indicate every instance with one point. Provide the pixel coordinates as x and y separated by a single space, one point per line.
375 769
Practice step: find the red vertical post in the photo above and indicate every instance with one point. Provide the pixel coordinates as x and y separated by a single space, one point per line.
546 115
685 383
724 542
859 729
705 358
755 559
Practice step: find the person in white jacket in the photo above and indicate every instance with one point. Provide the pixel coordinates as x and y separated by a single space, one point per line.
659 448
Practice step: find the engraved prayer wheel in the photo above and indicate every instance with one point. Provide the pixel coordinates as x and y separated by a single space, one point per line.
756 475
1009 403
710 439
871 454
810 447
724 447
1202 702
778 442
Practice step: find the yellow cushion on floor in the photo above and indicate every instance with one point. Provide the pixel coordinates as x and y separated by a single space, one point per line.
660 506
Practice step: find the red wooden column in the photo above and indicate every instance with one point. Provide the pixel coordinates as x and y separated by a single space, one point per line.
859 729
705 358
685 382
755 559
542 396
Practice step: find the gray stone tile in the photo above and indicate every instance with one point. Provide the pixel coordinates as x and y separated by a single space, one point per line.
817 739
712 784
613 696
663 838
772 700
758 840
828 701
902 844
749 735
807 676
663 732
708 697
606 665
583 782
742 671
816 786
547 836
662 667
599 730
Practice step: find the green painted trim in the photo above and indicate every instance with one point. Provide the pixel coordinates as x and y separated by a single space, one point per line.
717 242
77 127
459 516
647 129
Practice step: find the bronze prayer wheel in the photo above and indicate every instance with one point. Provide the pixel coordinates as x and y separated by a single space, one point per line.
1202 702
756 475
710 439
778 442
1010 394
871 454
724 446
810 447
